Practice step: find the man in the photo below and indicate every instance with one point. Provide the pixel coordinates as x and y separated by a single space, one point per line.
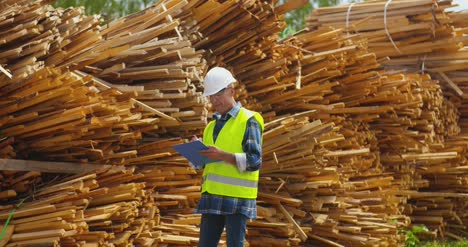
229 187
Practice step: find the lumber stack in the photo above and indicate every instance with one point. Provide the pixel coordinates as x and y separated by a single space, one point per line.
412 135
325 54
255 28
417 35
242 37
148 54
415 123
36 34
395 29
175 188
57 212
58 115
118 206
441 205
415 126
277 71
341 140
154 54
330 183
53 114
68 39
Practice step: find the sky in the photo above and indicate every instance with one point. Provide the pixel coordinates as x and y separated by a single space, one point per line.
463 5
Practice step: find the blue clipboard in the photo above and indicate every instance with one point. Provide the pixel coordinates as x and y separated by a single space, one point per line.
190 151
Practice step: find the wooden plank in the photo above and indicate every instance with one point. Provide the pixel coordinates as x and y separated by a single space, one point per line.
52 167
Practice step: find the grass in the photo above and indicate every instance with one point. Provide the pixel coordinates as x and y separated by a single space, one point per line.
463 243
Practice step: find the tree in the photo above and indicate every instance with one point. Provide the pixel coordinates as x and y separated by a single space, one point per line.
108 9
296 19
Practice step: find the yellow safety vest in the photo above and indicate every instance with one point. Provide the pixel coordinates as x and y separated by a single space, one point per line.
225 179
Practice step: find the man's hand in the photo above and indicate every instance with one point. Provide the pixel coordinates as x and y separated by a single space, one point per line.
215 153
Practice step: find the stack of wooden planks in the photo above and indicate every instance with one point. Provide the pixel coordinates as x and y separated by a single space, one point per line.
249 37
398 28
118 206
326 180
413 134
56 213
58 115
418 35
346 146
441 205
154 62
35 33
242 37
147 54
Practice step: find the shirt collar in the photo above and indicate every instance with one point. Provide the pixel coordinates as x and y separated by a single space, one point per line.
233 112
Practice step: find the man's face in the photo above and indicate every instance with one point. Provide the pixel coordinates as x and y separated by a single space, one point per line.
221 100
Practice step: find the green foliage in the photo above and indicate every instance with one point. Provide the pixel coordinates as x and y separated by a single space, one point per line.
295 19
108 9
463 243
411 239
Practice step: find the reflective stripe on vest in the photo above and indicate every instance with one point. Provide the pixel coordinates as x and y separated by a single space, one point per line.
224 179
231 181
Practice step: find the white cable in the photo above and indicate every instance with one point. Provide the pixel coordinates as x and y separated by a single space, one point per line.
386 29
423 65
347 16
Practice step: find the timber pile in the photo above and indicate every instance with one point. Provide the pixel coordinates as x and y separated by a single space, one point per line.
325 180
412 134
419 120
119 206
176 184
72 116
57 212
247 39
441 206
35 34
415 125
147 54
418 38
58 115
417 35
277 71
160 65
399 29
242 36
51 112
324 57
322 180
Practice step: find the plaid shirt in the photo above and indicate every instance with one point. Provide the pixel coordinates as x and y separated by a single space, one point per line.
251 144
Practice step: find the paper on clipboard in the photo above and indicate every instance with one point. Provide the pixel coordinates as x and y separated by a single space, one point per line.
190 151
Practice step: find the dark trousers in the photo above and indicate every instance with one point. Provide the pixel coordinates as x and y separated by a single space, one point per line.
212 226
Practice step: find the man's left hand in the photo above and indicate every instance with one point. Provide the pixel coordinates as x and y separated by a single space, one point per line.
215 153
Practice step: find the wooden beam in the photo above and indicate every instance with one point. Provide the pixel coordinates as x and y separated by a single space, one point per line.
52 167
4 71
451 84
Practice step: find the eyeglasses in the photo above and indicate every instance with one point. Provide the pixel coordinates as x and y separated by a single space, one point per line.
219 93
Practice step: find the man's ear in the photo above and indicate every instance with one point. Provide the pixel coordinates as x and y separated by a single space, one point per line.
232 90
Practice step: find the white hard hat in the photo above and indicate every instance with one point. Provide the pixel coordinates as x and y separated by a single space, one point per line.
216 79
